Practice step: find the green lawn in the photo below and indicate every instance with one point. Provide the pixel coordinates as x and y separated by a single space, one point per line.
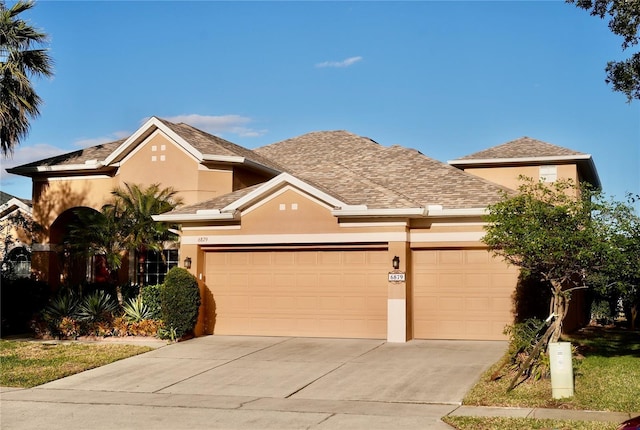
27 364
607 377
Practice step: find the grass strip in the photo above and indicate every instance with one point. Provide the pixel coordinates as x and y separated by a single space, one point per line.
502 423
28 364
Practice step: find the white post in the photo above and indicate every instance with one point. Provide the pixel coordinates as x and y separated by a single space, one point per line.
561 369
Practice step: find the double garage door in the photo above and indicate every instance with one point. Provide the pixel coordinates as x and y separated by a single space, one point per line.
318 293
456 294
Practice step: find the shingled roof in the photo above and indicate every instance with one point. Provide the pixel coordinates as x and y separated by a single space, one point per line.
523 147
209 144
82 156
360 171
205 143
528 151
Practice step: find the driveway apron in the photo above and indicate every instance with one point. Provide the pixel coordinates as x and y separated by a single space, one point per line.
265 382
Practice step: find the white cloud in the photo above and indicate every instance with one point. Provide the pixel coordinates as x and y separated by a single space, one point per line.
234 124
344 63
24 155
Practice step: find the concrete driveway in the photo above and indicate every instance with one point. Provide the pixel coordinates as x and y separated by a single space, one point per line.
262 383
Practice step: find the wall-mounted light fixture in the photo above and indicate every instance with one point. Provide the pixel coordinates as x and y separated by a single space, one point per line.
396 262
187 263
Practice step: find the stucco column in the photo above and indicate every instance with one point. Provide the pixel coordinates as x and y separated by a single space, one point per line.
397 292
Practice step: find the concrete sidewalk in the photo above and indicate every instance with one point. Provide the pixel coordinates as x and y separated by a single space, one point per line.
231 382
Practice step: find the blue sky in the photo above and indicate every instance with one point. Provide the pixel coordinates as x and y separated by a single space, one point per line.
446 78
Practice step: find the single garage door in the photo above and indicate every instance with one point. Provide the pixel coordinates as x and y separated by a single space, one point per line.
461 294
317 293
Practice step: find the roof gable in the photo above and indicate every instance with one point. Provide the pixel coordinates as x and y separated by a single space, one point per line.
202 146
523 147
529 151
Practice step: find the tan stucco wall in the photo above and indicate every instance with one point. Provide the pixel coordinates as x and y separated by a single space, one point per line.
508 176
289 212
53 197
213 182
158 160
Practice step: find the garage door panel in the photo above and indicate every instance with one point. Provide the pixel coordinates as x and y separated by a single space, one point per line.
309 293
461 294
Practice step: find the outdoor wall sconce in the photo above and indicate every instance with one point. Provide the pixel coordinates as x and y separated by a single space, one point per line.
396 262
187 263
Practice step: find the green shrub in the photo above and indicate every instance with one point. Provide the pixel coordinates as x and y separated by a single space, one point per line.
151 298
180 300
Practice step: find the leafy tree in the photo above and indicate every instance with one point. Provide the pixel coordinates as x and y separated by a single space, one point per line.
137 205
617 280
547 230
624 20
21 58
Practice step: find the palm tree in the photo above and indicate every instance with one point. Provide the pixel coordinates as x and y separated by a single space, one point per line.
142 233
20 59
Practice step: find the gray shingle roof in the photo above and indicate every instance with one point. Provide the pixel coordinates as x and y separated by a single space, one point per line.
360 171
98 152
524 147
209 144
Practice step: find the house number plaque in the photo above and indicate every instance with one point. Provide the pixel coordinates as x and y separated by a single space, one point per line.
397 276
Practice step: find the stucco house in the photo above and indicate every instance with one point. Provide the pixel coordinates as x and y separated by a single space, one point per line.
327 234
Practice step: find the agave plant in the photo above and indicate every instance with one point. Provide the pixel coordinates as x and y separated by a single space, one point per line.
135 310
97 306
65 304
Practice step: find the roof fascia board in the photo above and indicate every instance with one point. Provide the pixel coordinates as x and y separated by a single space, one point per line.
223 158
201 215
466 212
143 132
401 212
522 160
281 179
58 168
236 159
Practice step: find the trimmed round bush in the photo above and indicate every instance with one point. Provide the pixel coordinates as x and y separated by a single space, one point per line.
179 301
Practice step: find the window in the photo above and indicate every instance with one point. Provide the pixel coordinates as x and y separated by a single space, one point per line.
548 173
155 268
18 262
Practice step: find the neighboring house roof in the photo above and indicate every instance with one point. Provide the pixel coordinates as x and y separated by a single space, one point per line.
9 204
526 150
5 197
